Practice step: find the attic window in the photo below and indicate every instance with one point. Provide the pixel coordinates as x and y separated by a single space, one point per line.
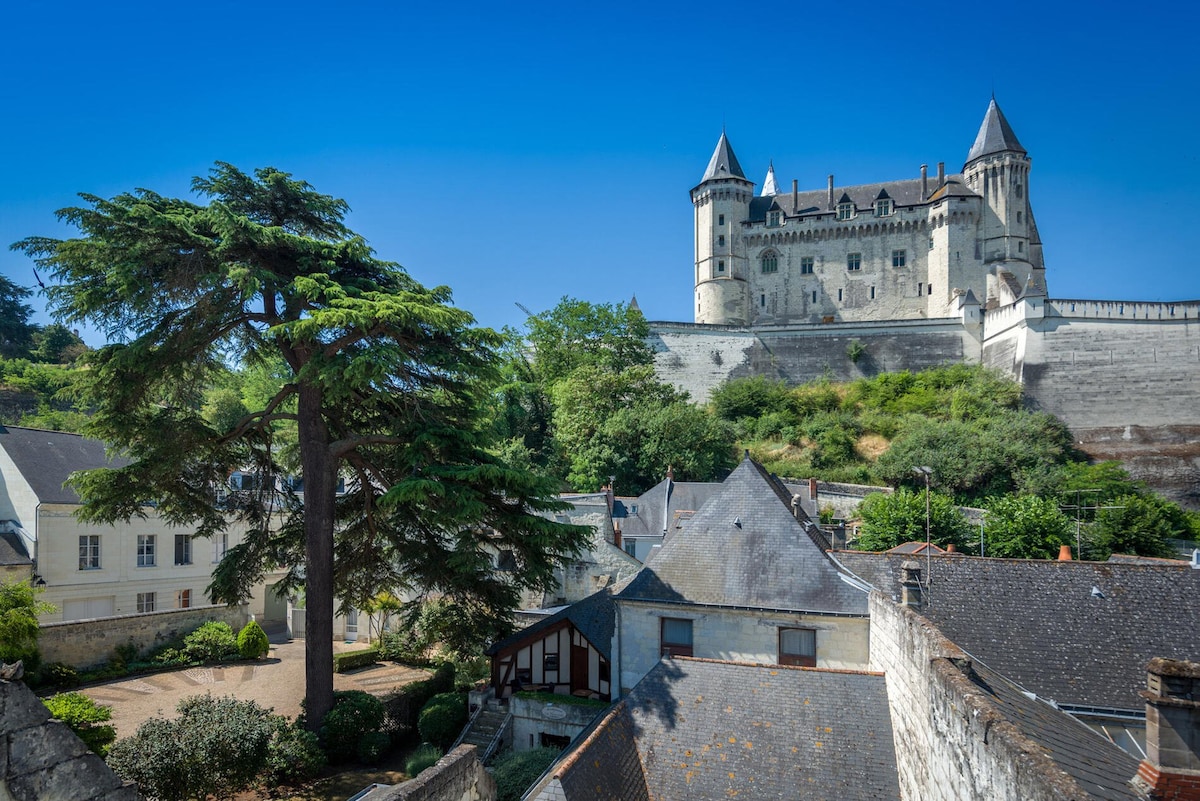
798 647
883 207
676 637
845 211
773 218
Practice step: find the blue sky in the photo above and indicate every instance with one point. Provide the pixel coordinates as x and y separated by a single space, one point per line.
522 152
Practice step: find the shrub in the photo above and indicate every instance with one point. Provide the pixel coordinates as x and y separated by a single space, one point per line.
403 707
211 642
19 610
294 754
426 756
515 771
354 659
170 657
354 715
442 718
372 747
57 675
403 646
252 641
85 717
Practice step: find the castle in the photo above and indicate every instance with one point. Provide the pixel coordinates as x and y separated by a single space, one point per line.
908 249
849 281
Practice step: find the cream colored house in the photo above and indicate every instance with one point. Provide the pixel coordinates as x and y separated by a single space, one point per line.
92 571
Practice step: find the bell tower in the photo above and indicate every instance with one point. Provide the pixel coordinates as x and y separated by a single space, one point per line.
722 202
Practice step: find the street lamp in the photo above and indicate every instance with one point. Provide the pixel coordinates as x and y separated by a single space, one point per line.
927 471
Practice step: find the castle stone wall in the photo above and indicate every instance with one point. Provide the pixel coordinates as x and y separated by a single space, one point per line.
458 776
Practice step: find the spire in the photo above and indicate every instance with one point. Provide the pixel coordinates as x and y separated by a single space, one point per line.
995 135
769 185
723 163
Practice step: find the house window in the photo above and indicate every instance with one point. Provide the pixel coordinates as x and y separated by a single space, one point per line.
183 549
630 547
720 266
220 546
145 602
183 599
845 211
676 637
814 296
89 552
773 219
883 207
806 265
839 296
550 662
720 219
798 647
853 261
145 550
721 240
770 262
1018 216
899 258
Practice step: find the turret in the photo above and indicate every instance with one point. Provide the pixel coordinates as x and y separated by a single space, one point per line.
722 202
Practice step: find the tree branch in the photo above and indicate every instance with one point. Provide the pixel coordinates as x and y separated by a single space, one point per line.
343 447
267 415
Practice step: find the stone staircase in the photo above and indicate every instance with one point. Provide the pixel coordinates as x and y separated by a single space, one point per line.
484 729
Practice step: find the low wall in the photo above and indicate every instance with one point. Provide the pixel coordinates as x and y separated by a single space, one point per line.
532 719
951 741
458 776
88 643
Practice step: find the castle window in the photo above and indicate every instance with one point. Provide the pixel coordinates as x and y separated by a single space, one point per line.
814 296
762 301
883 207
721 240
845 211
839 296
899 258
720 266
931 243
1018 216
920 288
773 219
806 265
872 293
770 262
929 289
720 219
1020 190
853 261
1020 247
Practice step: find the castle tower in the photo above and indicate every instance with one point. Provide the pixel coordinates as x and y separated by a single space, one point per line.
997 169
722 202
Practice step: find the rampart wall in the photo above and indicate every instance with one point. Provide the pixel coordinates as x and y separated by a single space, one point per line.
458 776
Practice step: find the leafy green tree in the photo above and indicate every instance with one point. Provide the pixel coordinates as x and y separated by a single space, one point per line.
1025 527
756 396
16 332
890 519
576 333
85 717
19 610
1139 524
381 380
57 344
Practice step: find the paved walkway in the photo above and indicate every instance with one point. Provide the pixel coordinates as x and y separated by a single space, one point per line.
275 682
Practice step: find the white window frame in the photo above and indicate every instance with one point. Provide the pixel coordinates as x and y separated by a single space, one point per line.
770 262
883 207
220 545
845 211
773 218
183 599
89 551
184 540
899 258
146 546
146 602
853 262
806 265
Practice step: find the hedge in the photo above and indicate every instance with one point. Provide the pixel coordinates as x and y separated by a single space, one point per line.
354 659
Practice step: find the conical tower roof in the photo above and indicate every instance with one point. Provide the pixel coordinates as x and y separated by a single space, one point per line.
769 185
995 135
723 163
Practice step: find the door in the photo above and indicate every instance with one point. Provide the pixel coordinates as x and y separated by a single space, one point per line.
579 662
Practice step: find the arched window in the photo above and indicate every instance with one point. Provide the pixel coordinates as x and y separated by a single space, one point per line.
770 262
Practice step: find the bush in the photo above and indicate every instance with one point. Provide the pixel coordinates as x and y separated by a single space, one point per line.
372 747
354 659
294 754
211 642
170 657
426 756
85 717
355 714
19 610
252 641
57 675
442 718
515 771
402 709
403 646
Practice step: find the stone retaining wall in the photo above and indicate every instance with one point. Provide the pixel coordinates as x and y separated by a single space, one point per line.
458 776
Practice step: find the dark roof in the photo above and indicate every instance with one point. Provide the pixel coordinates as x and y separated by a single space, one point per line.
13 552
744 548
915 547
46 458
715 730
658 506
605 765
995 135
905 192
1039 623
594 617
1098 766
724 163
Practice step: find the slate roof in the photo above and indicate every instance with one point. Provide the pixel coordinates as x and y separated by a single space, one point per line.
905 192
658 506
605 766
46 458
714 730
995 135
1038 622
744 549
594 617
1099 767
724 163
13 552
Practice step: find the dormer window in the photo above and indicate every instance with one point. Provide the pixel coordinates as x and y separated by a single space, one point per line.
773 219
883 207
845 211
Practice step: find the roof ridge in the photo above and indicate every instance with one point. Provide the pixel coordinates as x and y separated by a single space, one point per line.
771 666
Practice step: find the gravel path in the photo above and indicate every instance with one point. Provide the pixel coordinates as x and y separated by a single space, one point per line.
276 682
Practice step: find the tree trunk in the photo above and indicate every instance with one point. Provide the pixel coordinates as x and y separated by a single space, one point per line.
319 496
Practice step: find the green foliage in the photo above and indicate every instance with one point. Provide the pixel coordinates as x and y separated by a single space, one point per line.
19 610
355 714
752 397
85 717
293 754
252 641
1025 527
212 642
351 660
402 708
57 675
516 771
217 746
16 332
855 351
442 719
890 519
426 756
57 344
576 334
1138 525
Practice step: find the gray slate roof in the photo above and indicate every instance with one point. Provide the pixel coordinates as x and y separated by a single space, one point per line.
1100 768
724 163
594 617
744 549
46 458
905 192
995 135
1038 623
13 552
657 506
716 730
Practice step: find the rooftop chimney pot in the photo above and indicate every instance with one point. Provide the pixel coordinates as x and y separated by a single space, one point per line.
1064 553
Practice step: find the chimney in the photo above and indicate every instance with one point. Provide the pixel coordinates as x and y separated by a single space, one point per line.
1064 553
910 583
924 182
831 191
1171 769
941 174
812 489
670 473
608 494
952 548
795 196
